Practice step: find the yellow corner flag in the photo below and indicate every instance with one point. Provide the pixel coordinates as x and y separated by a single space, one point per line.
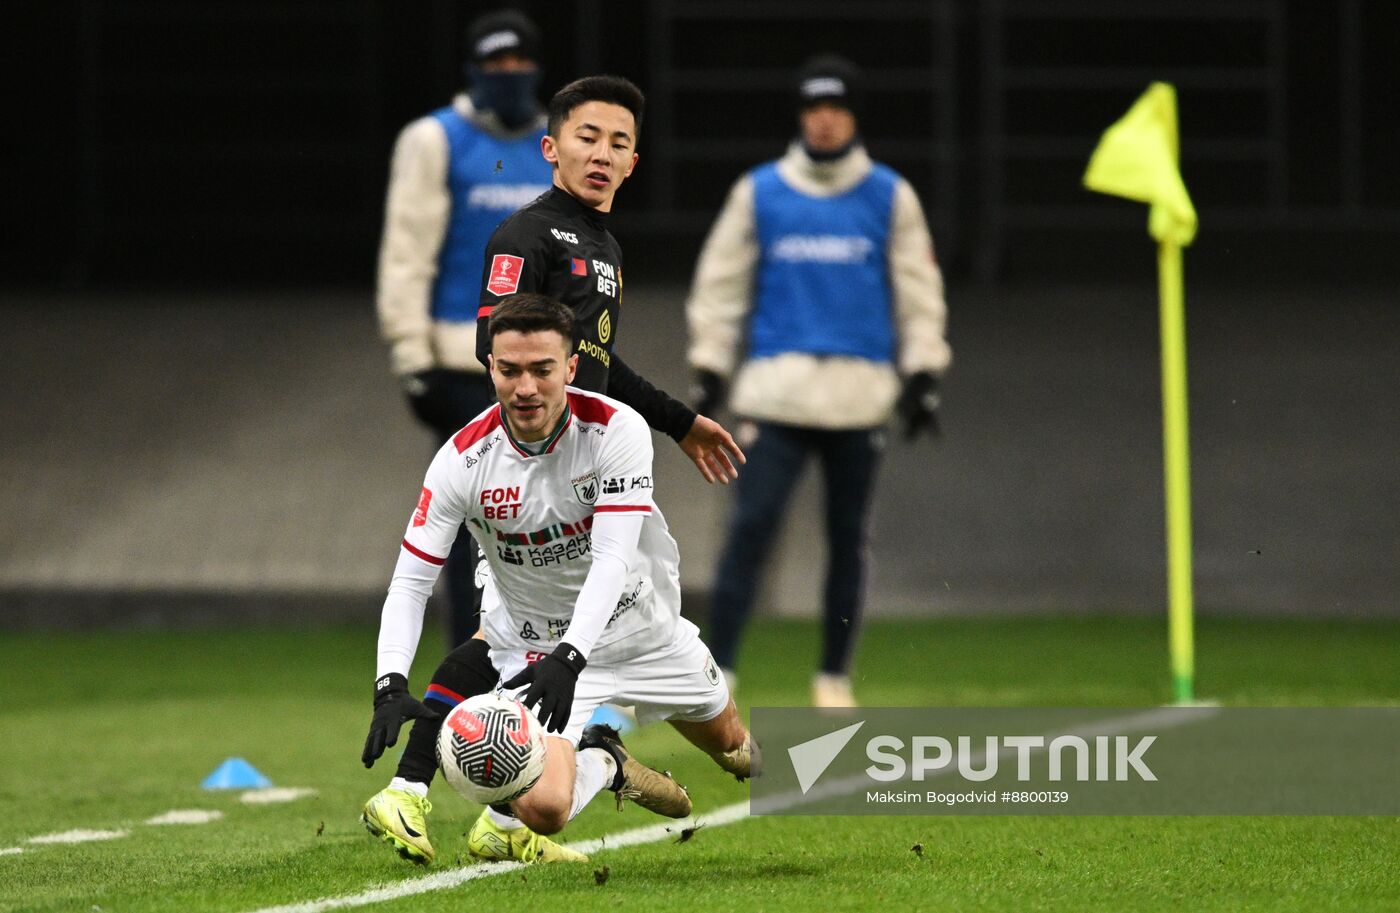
1138 158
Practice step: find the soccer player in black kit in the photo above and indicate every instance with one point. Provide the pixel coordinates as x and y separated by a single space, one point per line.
559 246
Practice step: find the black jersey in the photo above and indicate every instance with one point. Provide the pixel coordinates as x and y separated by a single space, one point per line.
557 246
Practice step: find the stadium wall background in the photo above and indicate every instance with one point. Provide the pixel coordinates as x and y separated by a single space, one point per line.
234 143
198 426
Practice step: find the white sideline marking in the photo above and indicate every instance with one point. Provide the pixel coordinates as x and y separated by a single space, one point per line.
186 816
652 833
728 814
12 851
78 836
276 794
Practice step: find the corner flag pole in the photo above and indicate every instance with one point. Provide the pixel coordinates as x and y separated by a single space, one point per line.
1137 158
1176 450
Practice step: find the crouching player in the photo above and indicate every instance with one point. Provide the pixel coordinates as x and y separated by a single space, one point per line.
583 603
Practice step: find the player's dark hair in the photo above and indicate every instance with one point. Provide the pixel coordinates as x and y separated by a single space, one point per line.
615 90
529 312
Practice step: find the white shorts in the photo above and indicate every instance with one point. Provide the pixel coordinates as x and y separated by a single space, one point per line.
677 682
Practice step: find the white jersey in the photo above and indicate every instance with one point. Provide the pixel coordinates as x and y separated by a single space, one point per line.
533 516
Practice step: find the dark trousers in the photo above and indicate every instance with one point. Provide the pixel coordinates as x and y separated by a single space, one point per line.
775 462
452 399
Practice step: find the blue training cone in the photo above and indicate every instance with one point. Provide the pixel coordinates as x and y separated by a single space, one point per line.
236 773
614 716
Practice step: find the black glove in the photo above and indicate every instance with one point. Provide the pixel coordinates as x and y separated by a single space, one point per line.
706 392
551 682
918 406
392 705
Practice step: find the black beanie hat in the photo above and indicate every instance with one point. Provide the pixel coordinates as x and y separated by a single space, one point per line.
504 31
829 78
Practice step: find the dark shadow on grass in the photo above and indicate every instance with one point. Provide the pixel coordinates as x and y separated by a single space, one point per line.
705 872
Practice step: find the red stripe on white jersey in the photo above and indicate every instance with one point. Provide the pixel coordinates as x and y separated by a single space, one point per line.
477 429
623 508
419 553
590 409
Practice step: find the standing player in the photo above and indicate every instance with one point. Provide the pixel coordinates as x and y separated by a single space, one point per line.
817 289
557 484
558 245
455 175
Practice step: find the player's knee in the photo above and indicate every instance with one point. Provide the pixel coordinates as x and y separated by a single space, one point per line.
544 818
553 822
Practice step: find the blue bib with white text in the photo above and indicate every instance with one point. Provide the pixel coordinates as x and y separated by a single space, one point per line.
489 179
823 286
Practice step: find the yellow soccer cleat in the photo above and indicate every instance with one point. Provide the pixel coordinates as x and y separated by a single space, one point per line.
493 843
400 819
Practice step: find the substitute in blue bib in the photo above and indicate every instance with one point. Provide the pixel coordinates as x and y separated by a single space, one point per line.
818 301
456 174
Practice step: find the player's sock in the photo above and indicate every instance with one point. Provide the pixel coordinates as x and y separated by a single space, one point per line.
465 672
419 761
595 770
504 820
409 786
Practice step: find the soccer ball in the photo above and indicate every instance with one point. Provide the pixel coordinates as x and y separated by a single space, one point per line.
491 749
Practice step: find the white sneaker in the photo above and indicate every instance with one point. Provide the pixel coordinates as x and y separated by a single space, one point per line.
832 691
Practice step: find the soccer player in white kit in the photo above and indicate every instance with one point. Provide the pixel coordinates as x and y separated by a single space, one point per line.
583 606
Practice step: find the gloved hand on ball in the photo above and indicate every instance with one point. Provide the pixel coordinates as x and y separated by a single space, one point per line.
551 680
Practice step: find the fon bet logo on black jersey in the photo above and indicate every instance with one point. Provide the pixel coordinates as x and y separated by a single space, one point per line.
564 250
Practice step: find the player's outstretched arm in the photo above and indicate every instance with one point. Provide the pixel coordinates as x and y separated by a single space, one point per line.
713 450
427 540
663 412
614 540
709 446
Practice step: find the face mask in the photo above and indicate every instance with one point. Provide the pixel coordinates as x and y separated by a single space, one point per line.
511 96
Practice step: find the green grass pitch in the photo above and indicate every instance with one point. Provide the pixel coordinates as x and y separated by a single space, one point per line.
105 730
